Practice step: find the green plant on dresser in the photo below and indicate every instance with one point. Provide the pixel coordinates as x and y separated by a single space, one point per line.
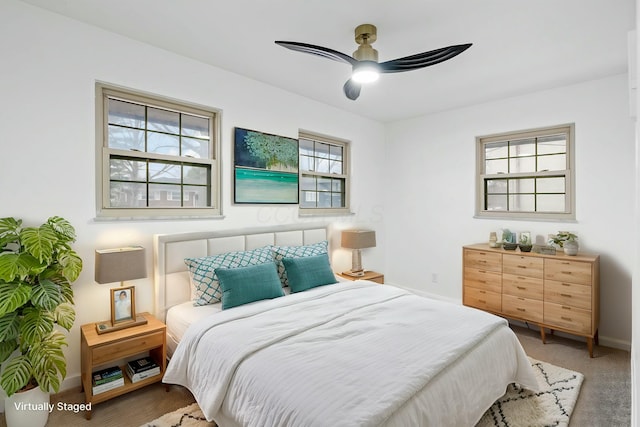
37 267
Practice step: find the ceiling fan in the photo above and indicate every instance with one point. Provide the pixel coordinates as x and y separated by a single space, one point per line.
364 62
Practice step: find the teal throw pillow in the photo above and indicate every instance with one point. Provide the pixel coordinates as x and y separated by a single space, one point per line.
308 272
280 252
248 284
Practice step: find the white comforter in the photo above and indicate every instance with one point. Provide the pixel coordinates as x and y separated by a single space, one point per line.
356 354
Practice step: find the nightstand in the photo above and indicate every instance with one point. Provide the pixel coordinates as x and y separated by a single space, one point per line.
368 275
98 351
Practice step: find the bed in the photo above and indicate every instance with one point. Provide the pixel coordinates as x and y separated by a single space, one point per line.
349 353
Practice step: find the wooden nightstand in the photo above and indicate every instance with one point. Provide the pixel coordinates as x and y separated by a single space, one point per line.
99 350
368 275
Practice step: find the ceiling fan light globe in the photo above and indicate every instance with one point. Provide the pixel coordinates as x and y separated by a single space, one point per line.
367 73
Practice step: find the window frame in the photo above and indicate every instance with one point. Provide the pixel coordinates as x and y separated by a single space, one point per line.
346 167
104 153
569 174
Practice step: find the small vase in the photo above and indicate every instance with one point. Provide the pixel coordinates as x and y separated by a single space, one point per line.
27 408
570 248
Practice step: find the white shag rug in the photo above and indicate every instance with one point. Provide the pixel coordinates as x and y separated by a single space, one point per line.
551 406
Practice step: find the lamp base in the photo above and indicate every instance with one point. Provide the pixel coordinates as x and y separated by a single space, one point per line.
354 273
107 326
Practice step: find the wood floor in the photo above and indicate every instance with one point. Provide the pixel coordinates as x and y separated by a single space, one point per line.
605 397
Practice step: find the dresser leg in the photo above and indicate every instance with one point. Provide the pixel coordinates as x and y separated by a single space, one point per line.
590 346
543 336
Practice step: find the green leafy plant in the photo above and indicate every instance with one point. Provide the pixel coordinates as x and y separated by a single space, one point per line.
561 237
37 266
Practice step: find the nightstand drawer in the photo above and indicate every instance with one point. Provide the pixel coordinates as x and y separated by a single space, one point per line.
566 293
126 347
523 266
484 300
567 317
568 271
522 308
482 279
522 286
483 260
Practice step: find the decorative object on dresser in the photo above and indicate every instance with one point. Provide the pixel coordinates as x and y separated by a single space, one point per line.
120 265
357 240
37 268
99 350
373 276
525 242
556 292
567 241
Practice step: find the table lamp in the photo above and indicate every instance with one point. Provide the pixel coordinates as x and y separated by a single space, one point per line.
357 240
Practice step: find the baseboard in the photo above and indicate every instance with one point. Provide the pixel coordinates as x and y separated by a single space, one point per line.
603 339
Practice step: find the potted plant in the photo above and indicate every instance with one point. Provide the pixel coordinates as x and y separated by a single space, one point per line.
566 240
525 242
37 266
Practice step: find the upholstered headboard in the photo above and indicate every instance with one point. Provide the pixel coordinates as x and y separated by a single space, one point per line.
171 278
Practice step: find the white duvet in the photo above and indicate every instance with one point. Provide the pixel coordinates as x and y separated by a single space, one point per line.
356 354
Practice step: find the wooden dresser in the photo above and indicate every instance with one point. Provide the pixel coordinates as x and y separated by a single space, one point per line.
557 292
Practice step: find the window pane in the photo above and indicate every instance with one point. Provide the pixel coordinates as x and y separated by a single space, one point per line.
337 185
522 203
127 170
165 199
161 143
554 162
308 182
163 120
195 174
306 147
126 138
496 166
126 114
195 126
523 147
324 184
322 165
335 152
164 172
306 163
496 186
335 167
128 195
195 197
551 202
322 150
525 185
197 148
337 200
552 144
551 185
522 164
324 200
496 150
497 202
308 199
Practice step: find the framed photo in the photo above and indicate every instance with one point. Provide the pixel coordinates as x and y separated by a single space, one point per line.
123 305
265 168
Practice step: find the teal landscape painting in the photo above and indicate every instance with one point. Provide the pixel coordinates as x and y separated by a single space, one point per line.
266 168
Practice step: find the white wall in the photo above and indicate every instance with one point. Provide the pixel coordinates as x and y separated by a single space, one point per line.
47 167
429 206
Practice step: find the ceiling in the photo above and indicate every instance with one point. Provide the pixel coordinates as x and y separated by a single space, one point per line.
518 46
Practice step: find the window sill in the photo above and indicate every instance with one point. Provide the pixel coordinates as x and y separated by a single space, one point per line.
156 218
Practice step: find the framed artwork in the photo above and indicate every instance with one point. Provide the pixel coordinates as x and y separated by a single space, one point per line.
123 305
265 168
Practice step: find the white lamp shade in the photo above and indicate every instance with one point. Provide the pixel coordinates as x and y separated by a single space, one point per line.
120 264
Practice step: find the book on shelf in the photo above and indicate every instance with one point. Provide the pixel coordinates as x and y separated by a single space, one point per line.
106 375
108 386
142 375
142 364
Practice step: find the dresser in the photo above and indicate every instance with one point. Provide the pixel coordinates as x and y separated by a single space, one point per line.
555 292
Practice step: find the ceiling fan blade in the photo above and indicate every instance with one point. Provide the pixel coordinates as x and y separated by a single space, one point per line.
352 89
423 59
325 52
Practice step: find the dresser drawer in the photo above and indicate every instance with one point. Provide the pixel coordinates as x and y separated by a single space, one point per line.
523 265
482 260
570 318
127 347
567 271
522 308
482 299
566 293
483 279
522 286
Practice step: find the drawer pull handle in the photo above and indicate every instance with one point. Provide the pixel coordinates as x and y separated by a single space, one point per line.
566 284
522 266
564 307
483 271
482 253
482 281
566 295
522 288
568 319
482 261
521 309
566 272
482 301
566 263
482 292
522 278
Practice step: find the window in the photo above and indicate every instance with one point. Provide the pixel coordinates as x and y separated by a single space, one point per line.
158 158
526 174
324 179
